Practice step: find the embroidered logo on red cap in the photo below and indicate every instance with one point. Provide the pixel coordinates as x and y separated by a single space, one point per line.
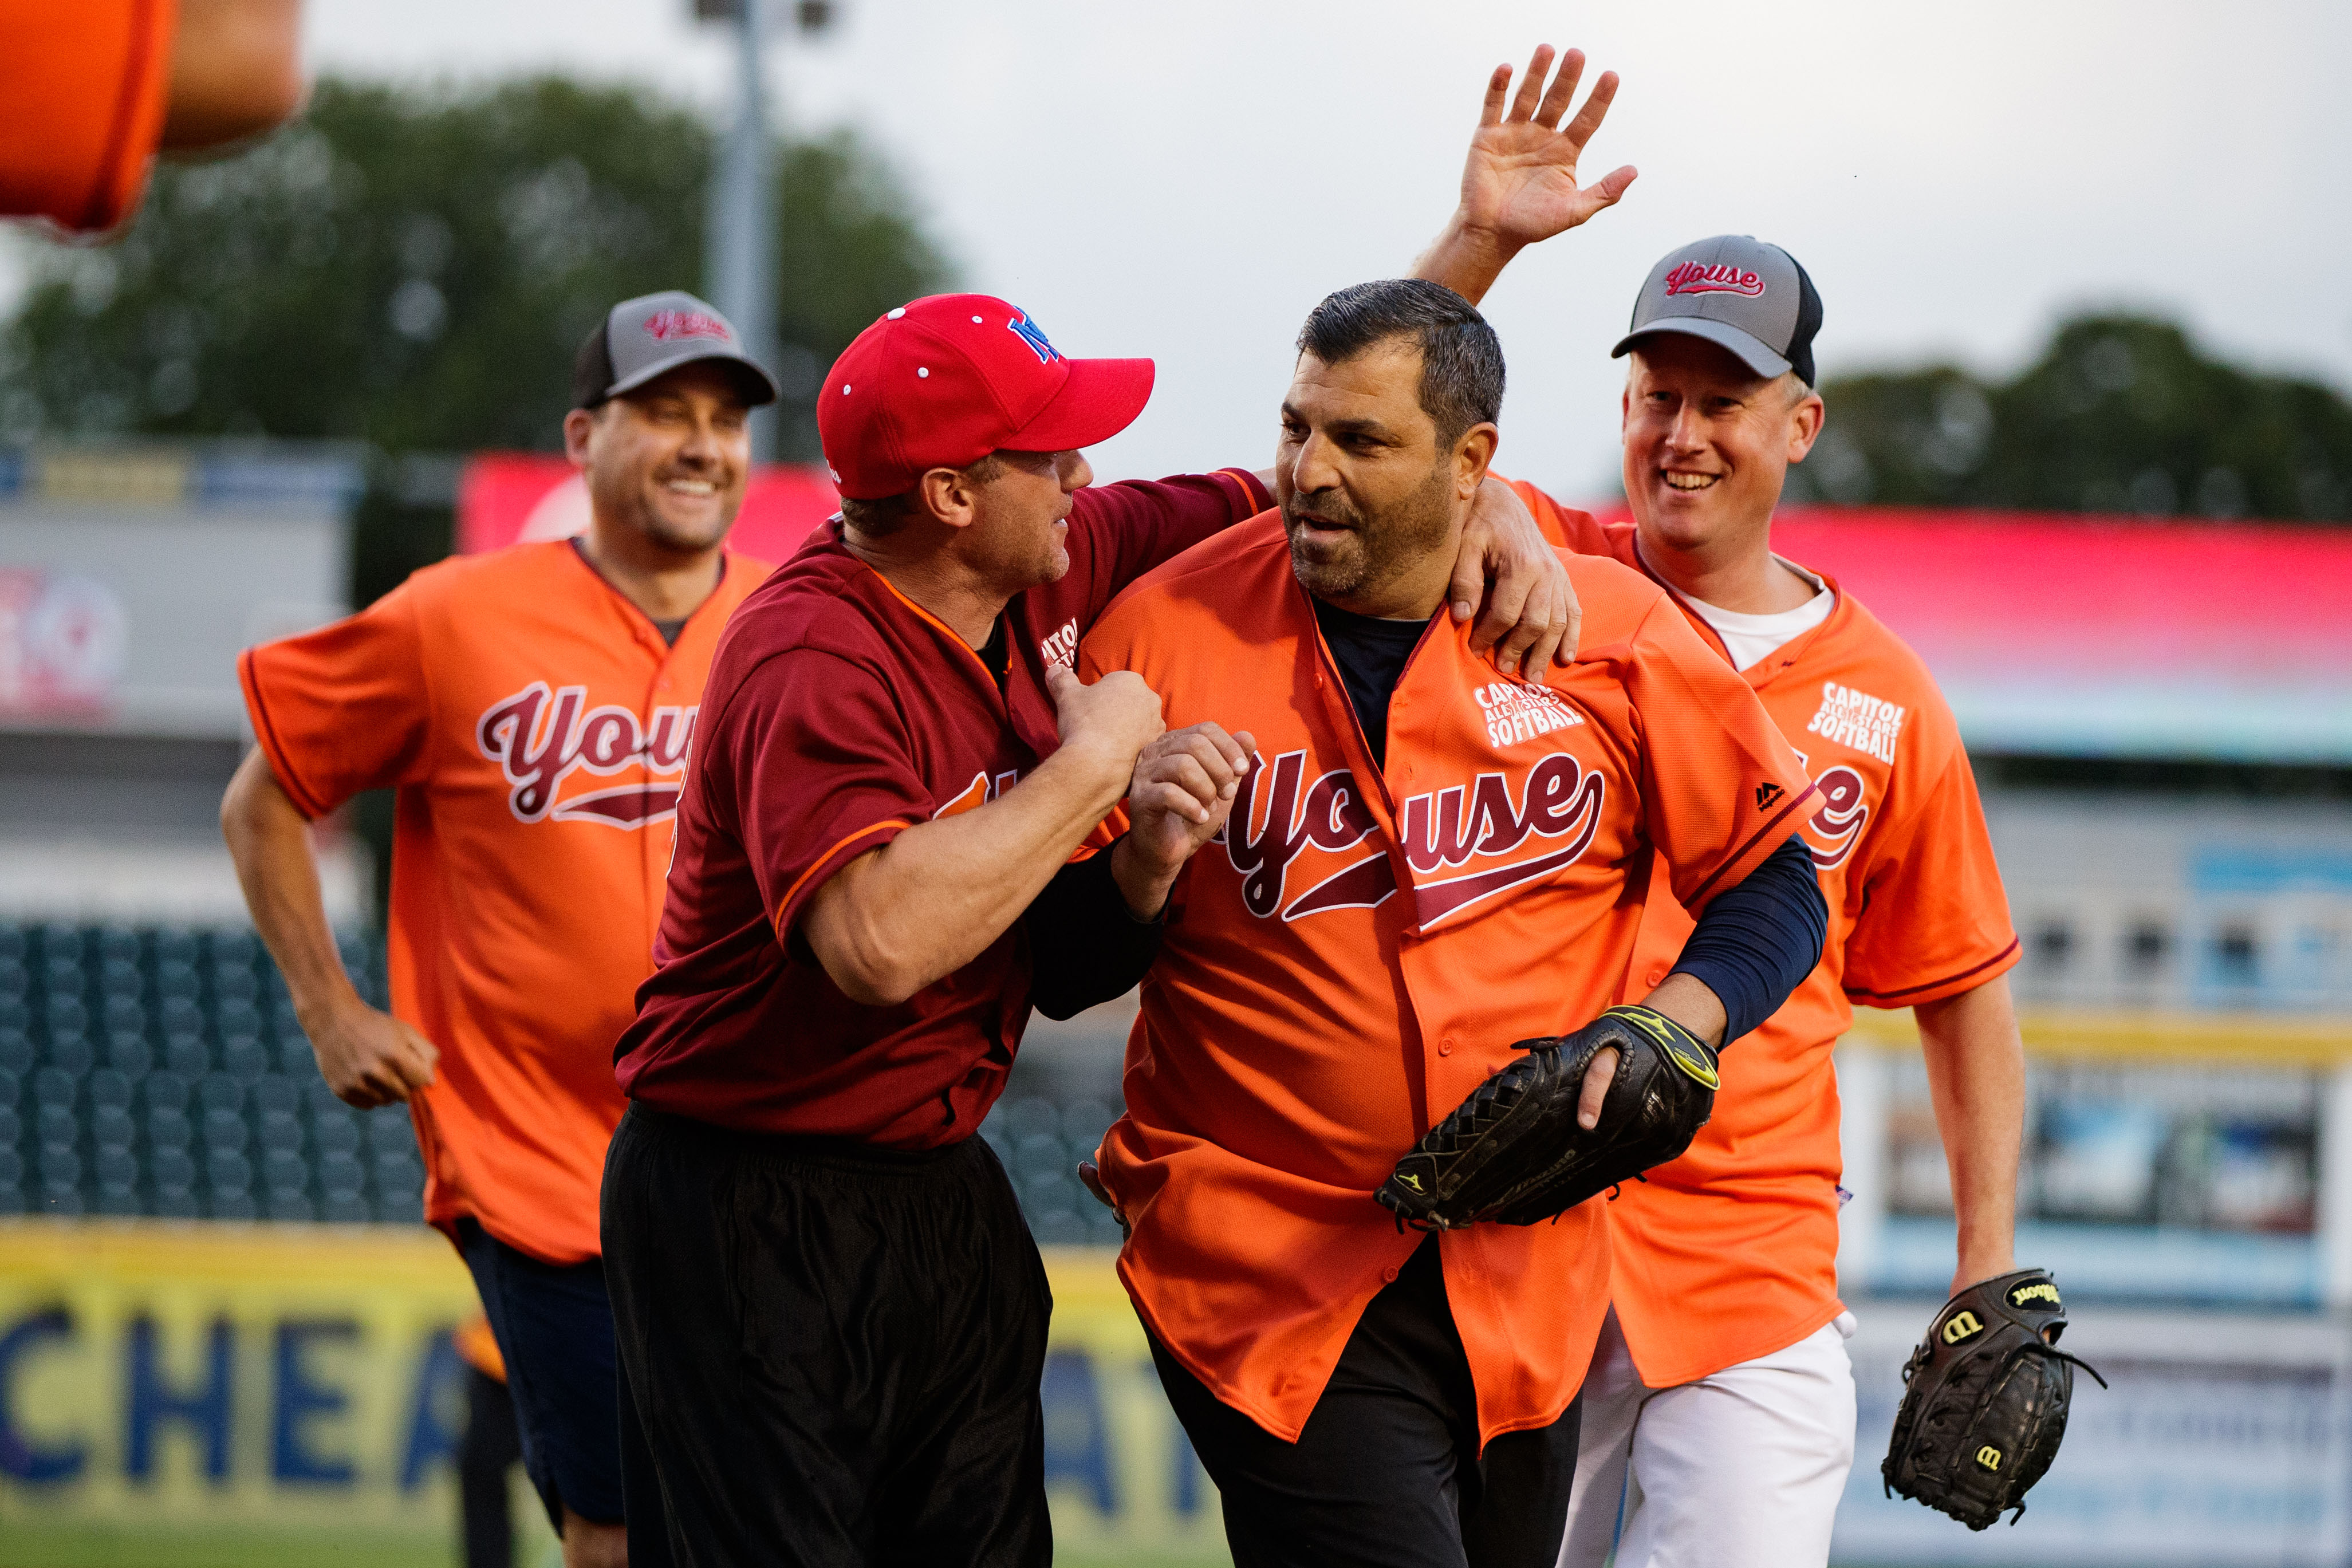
664 325
1690 277
1030 332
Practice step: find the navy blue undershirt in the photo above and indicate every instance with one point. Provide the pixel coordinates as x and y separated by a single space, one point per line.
1371 655
1755 943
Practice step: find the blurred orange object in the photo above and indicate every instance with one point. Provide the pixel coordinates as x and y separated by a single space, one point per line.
479 1347
83 92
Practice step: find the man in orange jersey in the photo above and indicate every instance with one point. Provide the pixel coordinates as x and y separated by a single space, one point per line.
89 92
533 708
1424 864
1720 1412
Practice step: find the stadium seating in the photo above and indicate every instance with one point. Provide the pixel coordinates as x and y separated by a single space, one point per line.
1041 1144
160 1071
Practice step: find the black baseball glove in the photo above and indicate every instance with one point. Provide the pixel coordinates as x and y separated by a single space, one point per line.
1985 1401
1513 1152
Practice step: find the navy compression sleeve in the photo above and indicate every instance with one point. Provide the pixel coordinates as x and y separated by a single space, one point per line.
1085 946
1759 939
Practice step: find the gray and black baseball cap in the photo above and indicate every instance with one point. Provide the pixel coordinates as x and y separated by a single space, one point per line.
653 334
1735 291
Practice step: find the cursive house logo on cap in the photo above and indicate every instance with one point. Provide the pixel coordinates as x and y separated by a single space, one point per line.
1690 277
664 325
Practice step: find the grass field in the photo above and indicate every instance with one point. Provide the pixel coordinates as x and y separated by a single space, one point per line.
51 1547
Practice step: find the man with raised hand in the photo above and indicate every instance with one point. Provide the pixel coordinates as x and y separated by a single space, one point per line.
1427 870
1719 1418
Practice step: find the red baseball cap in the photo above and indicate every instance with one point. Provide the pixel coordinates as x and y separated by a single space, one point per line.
940 383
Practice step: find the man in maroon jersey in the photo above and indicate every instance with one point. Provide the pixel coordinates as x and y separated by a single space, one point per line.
827 1302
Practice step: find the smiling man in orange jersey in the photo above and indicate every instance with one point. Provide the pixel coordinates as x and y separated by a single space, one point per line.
1720 1412
533 708
1425 864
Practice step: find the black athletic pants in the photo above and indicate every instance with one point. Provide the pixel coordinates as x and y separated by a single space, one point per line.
1387 1473
834 1351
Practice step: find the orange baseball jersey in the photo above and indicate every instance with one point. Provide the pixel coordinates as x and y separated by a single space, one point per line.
83 89
1730 1252
1361 948
536 727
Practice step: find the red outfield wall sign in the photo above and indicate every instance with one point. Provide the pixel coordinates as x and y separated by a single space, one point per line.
515 498
2067 636
2078 635
62 637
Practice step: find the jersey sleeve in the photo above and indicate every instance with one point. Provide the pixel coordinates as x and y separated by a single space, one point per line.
1134 526
86 86
1578 533
1937 920
346 708
1720 788
1104 649
824 770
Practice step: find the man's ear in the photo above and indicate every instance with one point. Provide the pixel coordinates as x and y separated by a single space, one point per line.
578 426
949 495
1805 422
1472 454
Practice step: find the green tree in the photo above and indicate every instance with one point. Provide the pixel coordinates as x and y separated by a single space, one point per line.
415 270
2120 413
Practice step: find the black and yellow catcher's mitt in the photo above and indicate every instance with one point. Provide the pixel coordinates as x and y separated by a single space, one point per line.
1985 1401
1512 1153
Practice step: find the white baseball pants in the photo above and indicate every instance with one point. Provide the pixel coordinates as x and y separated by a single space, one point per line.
1740 1470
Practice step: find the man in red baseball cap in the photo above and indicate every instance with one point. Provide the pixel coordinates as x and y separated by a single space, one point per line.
828 1305
950 379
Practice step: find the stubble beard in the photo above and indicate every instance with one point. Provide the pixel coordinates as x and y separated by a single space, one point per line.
685 542
1014 564
1375 551
631 505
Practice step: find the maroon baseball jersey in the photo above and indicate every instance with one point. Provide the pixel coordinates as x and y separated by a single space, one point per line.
839 713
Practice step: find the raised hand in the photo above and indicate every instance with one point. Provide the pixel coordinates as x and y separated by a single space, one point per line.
1518 184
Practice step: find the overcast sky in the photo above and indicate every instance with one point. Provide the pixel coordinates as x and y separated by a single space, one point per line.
1185 181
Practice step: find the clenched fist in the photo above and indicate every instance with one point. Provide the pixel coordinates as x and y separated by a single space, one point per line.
370 1057
1111 720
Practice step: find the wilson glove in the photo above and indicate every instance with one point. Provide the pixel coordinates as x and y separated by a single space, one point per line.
1985 1400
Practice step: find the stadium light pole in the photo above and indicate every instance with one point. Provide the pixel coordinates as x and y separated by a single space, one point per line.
740 229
